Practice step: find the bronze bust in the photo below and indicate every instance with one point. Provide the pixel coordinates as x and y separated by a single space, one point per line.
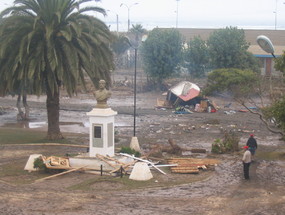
102 95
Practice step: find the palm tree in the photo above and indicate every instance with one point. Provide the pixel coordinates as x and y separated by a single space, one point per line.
53 43
120 45
138 32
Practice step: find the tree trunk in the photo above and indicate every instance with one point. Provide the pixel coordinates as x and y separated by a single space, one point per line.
53 115
20 115
26 106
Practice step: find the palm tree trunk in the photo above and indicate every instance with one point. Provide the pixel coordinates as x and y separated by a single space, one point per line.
26 106
53 115
20 115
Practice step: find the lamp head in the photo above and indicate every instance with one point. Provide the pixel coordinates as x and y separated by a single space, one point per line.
265 43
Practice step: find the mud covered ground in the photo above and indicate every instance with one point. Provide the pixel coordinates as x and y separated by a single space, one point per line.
221 190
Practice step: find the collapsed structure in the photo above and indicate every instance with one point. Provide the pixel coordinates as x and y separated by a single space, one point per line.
186 97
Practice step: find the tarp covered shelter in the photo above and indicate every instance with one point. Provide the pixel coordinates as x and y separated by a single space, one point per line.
184 93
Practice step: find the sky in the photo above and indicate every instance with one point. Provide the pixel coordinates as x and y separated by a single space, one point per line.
246 14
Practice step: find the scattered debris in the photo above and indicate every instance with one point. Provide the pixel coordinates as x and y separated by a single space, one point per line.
54 162
191 165
230 112
172 148
184 90
146 161
228 105
184 96
163 104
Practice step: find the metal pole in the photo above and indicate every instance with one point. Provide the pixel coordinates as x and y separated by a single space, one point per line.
117 16
177 13
275 14
135 91
128 19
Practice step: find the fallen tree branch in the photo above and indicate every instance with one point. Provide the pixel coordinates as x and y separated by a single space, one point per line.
263 120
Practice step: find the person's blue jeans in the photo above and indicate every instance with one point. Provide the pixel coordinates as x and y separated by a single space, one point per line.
252 150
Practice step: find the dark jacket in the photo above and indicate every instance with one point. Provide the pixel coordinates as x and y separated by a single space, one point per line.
251 143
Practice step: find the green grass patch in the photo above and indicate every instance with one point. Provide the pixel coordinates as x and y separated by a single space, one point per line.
24 136
108 183
20 135
14 173
114 183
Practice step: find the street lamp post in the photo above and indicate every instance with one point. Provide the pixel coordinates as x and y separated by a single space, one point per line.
134 142
275 14
135 90
129 8
177 4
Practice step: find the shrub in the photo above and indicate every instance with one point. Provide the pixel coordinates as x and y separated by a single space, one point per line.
130 151
229 144
39 164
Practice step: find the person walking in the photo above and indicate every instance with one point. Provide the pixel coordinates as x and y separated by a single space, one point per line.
246 160
252 144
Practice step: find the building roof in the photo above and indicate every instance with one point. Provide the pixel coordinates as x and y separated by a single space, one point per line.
277 37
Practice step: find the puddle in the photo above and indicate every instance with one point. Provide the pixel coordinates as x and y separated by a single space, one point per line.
36 124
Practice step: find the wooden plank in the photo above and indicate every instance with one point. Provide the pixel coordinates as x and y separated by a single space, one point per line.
190 165
192 160
103 159
113 159
124 166
62 173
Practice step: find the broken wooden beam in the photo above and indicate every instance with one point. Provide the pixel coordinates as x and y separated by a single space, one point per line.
62 173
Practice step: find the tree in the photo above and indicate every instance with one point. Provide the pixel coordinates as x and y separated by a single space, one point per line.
196 57
161 54
120 44
138 31
244 86
53 44
280 63
276 112
228 49
238 83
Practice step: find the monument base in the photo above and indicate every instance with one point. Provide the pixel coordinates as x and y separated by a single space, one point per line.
135 144
102 112
101 132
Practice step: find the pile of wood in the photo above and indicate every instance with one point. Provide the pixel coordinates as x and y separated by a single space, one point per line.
54 162
116 164
191 165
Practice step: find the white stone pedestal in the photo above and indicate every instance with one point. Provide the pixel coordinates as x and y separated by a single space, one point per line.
135 144
101 132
